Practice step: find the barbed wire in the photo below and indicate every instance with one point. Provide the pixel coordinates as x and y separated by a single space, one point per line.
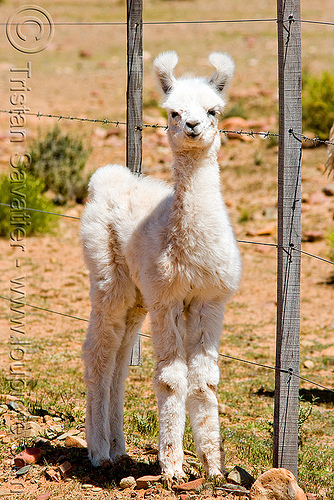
227 356
263 243
117 123
159 23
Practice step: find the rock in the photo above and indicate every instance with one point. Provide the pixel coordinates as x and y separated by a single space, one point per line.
316 198
278 484
25 429
5 492
3 434
27 456
71 432
87 486
328 190
48 419
312 236
64 468
75 442
43 496
3 409
191 486
144 482
225 410
127 482
23 470
40 442
240 476
184 496
308 363
233 125
52 474
151 449
235 489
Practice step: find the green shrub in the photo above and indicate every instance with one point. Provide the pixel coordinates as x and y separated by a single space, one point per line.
34 198
318 103
330 239
58 160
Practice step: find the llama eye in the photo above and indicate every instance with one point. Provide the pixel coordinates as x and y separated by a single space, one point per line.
213 112
174 114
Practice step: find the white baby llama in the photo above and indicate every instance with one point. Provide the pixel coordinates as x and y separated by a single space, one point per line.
172 252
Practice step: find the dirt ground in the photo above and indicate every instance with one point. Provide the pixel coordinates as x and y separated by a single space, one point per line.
78 77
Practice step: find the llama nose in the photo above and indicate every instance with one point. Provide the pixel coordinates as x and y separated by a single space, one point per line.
193 127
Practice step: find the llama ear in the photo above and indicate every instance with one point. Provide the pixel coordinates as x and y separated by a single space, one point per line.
224 69
163 67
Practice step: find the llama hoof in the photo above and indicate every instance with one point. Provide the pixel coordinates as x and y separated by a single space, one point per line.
124 461
218 479
169 480
106 464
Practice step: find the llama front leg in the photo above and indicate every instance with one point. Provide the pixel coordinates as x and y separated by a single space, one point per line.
170 384
204 325
99 354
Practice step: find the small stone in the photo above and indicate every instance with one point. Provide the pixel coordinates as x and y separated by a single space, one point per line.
75 442
96 489
48 419
3 409
235 489
316 198
151 449
308 363
40 441
190 486
276 483
25 429
266 231
144 482
43 496
23 470
311 236
240 476
71 432
52 474
184 496
328 191
225 410
127 482
64 468
86 486
5 492
27 456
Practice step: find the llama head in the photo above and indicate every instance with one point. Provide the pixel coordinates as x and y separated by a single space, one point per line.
193 104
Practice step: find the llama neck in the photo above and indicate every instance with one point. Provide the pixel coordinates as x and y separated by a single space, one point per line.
196 180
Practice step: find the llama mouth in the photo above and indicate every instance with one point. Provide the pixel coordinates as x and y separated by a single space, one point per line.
193 135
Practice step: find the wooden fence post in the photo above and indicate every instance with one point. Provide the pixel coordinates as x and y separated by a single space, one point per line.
134 108
285 446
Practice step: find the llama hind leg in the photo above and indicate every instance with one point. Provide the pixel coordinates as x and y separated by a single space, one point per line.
203 332
103 340
134 319
170 383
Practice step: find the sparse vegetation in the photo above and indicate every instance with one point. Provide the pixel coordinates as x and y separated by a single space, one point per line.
58 159
318 103
32 222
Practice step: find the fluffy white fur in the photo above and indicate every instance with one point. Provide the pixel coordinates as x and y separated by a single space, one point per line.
172 252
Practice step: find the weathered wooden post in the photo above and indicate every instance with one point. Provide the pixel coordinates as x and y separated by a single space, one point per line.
134 107
285 452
